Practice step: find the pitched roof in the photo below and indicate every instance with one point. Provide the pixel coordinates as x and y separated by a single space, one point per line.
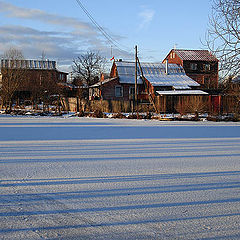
195 55
236 79
98 84
155 73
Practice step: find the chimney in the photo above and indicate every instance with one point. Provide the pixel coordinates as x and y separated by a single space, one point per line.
166 66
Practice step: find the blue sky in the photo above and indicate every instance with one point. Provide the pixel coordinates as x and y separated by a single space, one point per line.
63 31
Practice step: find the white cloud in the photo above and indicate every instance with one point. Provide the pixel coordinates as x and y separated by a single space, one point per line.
62 45
146 16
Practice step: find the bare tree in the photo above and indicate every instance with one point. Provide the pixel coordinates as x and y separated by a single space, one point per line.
223 35
43 87
13 75
88 67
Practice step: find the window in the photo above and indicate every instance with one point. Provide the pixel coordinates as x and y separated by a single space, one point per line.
35 64
207 67
31 64
193 66
118 91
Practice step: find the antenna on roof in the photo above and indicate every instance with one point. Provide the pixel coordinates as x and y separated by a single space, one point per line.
43 56
175 46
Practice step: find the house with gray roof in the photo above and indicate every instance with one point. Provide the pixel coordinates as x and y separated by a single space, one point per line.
199 65
152 79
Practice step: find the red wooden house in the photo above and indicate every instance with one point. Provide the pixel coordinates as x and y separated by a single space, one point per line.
199 65
152 79
37 74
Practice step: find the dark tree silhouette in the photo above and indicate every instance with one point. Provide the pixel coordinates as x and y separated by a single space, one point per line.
223 35
88 67
13 75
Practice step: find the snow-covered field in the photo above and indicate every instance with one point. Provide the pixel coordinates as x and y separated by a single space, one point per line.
73 178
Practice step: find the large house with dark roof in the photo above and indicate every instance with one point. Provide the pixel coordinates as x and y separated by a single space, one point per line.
199 65
152 79
38 74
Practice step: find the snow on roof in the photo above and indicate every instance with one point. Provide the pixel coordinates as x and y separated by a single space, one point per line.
126 72
195 55
98 84
236 79
182 92
155 73
28 64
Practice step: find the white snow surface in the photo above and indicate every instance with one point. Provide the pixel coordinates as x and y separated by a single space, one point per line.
83 178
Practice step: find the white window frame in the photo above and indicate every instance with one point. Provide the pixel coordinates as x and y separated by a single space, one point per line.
121 91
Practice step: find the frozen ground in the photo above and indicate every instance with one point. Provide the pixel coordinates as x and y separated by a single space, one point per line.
118 179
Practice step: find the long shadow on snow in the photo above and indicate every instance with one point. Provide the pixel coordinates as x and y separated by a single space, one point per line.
109 158
131 178
103 193
119 208
109 224
117 132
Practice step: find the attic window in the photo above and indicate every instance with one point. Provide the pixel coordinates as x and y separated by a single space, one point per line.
193 66
172 55
207 67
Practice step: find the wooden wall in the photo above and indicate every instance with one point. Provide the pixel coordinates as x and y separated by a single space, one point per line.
165 104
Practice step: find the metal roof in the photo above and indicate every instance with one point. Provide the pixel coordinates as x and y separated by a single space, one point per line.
195 55
183 92
236 79
98 84
155 73
28 64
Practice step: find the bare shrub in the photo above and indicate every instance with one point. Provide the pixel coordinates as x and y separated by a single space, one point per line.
81 113
98 114
119 115
182 106
132 116
196 105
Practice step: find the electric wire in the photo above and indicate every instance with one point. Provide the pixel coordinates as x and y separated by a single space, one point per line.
104 33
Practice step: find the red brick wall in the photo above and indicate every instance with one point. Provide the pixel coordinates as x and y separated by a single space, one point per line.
174 58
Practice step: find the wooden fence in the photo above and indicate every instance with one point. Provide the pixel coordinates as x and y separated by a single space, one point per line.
164 104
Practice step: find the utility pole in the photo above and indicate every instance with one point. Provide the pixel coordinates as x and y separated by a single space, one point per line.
136 95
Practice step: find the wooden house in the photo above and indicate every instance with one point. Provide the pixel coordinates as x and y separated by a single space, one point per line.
35 75
152 79
199 65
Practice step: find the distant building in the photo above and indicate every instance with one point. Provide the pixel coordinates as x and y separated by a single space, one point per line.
37 74
199 65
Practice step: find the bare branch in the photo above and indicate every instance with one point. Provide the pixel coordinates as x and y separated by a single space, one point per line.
223 35
88 67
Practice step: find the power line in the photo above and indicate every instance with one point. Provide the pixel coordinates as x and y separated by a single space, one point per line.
105 34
